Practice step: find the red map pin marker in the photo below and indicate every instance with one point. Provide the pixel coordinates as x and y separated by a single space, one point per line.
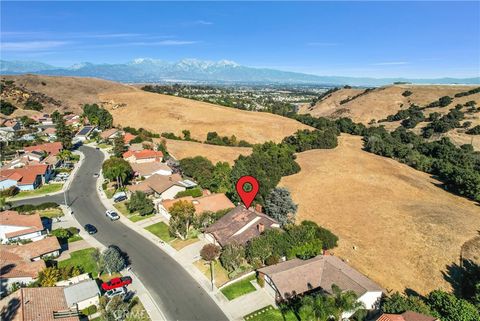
247 197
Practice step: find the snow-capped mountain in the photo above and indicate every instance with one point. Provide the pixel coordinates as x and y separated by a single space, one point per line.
195 70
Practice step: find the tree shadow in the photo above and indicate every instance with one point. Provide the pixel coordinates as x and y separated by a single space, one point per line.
9 312
463 277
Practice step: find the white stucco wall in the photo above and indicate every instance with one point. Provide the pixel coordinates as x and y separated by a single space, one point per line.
4 229
88 302
369 299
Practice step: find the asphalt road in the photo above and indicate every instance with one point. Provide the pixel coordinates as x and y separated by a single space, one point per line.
175 291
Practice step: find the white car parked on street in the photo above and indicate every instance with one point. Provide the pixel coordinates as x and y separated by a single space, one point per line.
112 215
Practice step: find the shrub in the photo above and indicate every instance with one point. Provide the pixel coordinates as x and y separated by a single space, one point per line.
141 203
6 108
260 281
406 93
474 130
9 192
92 309
33 105
209 252
194 192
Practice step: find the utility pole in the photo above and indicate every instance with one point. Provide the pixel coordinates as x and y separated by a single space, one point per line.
65 197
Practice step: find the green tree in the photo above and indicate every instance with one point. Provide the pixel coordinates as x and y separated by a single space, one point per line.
232 257
398 303
220 179
6 108
64 134
199 168
280 206
49 276
258 250
113 260
141 203
119 146
448 307
65 155
56 116
345 301
117 169
317 308
97 257
182 219
98 116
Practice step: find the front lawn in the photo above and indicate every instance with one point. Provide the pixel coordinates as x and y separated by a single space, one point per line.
134 217
221 275
160 229
44 189
239 288
74 238
269 313
178 244
51 213
83 259
104 146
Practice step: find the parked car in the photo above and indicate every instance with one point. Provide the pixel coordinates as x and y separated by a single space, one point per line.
114 292
90 229
112 215
63 175
116 283
120 196
95 175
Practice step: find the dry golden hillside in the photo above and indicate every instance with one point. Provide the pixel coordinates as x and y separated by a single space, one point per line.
162 113
383 101
395 224
70 92
182 149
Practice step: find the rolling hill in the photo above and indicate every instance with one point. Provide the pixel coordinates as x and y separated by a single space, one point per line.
375 105
395 224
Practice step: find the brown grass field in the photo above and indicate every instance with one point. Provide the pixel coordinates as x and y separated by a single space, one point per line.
72 92
182 149
161 113
405 228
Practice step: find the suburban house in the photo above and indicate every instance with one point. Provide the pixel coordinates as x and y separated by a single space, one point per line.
127 138
26 178
15 227
43 119
17 269
50 148
84 133
12 124
110 134
161 186
72 120
35 251
37 304
151 168
82 294
136 147
205 203
239 226
143 156
50 133
296 277
6 134
406 316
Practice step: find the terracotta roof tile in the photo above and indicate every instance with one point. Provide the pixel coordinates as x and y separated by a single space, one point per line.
143 154
29 173
32 223
207 203
50 148
127 138
34 249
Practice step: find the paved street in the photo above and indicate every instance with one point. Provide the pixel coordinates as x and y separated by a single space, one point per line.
178 295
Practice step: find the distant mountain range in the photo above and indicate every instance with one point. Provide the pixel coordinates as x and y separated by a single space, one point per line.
146 70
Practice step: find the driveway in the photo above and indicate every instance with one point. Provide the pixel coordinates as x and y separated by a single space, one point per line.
178 295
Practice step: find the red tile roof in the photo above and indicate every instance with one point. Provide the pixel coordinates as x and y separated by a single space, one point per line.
24 175
36 304
32 223
16 266
128 137
406 316
33 250
50 148
143 154
207 203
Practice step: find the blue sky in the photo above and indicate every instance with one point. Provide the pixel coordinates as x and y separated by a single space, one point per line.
377 39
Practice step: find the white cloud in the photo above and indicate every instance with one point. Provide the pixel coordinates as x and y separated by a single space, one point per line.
31 45
391 63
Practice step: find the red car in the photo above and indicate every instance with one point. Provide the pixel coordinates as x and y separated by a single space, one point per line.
116 283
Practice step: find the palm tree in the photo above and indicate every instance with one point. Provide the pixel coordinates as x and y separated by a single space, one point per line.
344 301
318 308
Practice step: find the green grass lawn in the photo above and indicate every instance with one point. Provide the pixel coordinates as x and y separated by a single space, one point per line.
44 189
51 213
221 275
239 288
134 217
74 238
269 313
109 192
82 258
160 229
104 146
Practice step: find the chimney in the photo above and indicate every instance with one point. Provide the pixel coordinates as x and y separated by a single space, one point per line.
258 208
261 227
